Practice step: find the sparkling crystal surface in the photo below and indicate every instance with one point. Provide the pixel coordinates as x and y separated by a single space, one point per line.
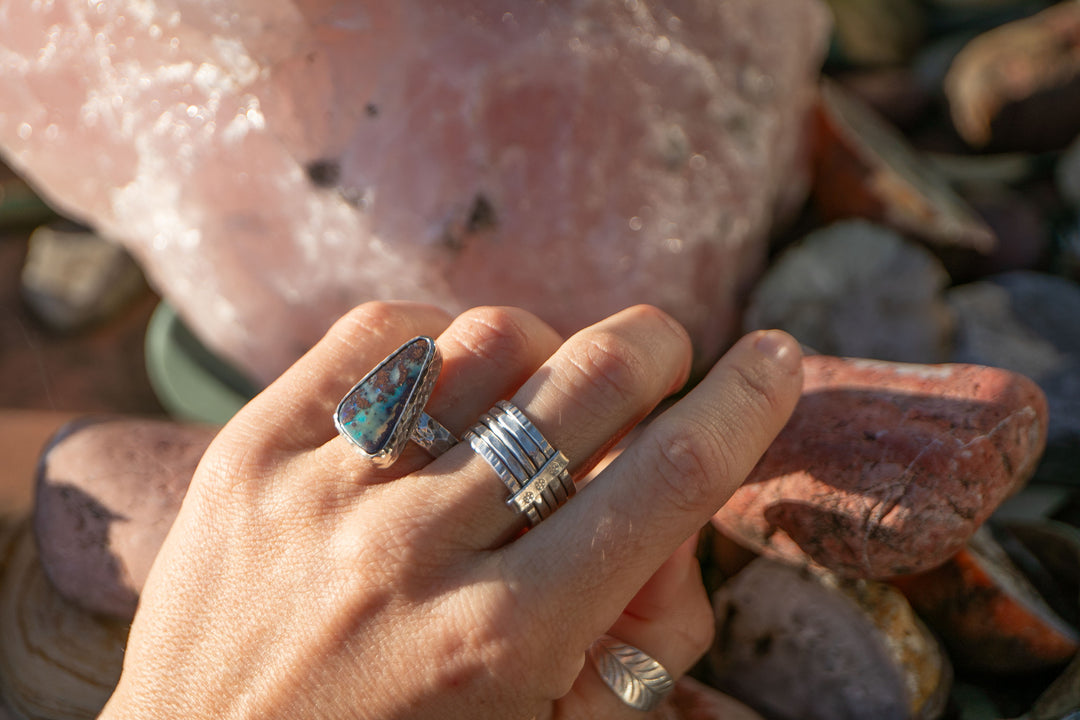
273 163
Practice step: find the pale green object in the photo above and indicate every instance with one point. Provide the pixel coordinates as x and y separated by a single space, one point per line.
191 382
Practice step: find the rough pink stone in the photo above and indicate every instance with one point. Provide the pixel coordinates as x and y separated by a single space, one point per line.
888 468
107 495
274 162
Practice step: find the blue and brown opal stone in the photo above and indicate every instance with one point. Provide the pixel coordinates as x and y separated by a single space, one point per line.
378 413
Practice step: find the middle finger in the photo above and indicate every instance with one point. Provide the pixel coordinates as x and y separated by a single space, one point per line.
599 384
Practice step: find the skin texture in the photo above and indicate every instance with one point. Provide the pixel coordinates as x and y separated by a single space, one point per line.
301 582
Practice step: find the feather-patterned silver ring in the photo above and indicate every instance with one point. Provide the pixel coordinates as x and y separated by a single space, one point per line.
635 677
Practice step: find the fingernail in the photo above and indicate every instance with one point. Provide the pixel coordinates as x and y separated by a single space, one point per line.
779 347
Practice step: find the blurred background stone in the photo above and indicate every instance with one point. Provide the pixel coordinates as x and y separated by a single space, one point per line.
896 93
1017 87
865 168
876 32
101 369
856 289
990 615
1067 174
1022 230
928 184
1062 698
57 661
1027 322
274 165
20 206
74 278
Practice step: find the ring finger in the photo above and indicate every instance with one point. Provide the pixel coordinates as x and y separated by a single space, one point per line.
487 353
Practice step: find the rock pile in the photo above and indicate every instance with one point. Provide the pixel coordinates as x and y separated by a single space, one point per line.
912 532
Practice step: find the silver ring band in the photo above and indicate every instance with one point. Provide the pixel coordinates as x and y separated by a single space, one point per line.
532 470
635 677
432 435
385 410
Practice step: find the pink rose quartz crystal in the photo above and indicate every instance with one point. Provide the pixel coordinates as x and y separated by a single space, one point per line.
272 163
887 468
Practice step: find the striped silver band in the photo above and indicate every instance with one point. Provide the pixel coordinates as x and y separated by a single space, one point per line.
534 473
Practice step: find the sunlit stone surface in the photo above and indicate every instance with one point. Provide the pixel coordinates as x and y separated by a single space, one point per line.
274 162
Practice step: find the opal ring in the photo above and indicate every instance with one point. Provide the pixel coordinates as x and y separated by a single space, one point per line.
534 473
635 677
386 408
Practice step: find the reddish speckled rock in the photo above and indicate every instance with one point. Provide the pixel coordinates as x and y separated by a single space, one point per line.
107 494
888 468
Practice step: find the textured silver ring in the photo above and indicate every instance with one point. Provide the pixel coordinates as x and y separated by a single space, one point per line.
385 409
635 677
534 473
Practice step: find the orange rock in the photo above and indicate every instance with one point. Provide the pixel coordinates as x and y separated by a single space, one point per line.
887 468
865 168
990 617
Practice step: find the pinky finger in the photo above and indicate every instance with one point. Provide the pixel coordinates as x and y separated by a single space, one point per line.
692 700
670 619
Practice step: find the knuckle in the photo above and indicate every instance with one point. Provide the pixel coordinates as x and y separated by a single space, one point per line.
492 333
611 373
375 317
756 388
687 461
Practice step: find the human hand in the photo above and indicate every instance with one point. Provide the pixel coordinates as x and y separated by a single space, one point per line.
299 581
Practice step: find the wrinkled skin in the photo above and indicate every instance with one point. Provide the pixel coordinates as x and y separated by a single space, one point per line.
301 582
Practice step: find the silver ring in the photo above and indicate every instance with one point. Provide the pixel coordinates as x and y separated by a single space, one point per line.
635 677
385 409
532 470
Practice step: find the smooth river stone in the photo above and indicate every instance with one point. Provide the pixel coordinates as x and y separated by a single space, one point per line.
371 412
273 163
1027 322
108 491
57 661
887 469
798 645
858 289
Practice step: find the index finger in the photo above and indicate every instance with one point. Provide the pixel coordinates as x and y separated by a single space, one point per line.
622 526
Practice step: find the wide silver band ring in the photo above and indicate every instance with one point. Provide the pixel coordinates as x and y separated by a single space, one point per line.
635 677
385 409
532 470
